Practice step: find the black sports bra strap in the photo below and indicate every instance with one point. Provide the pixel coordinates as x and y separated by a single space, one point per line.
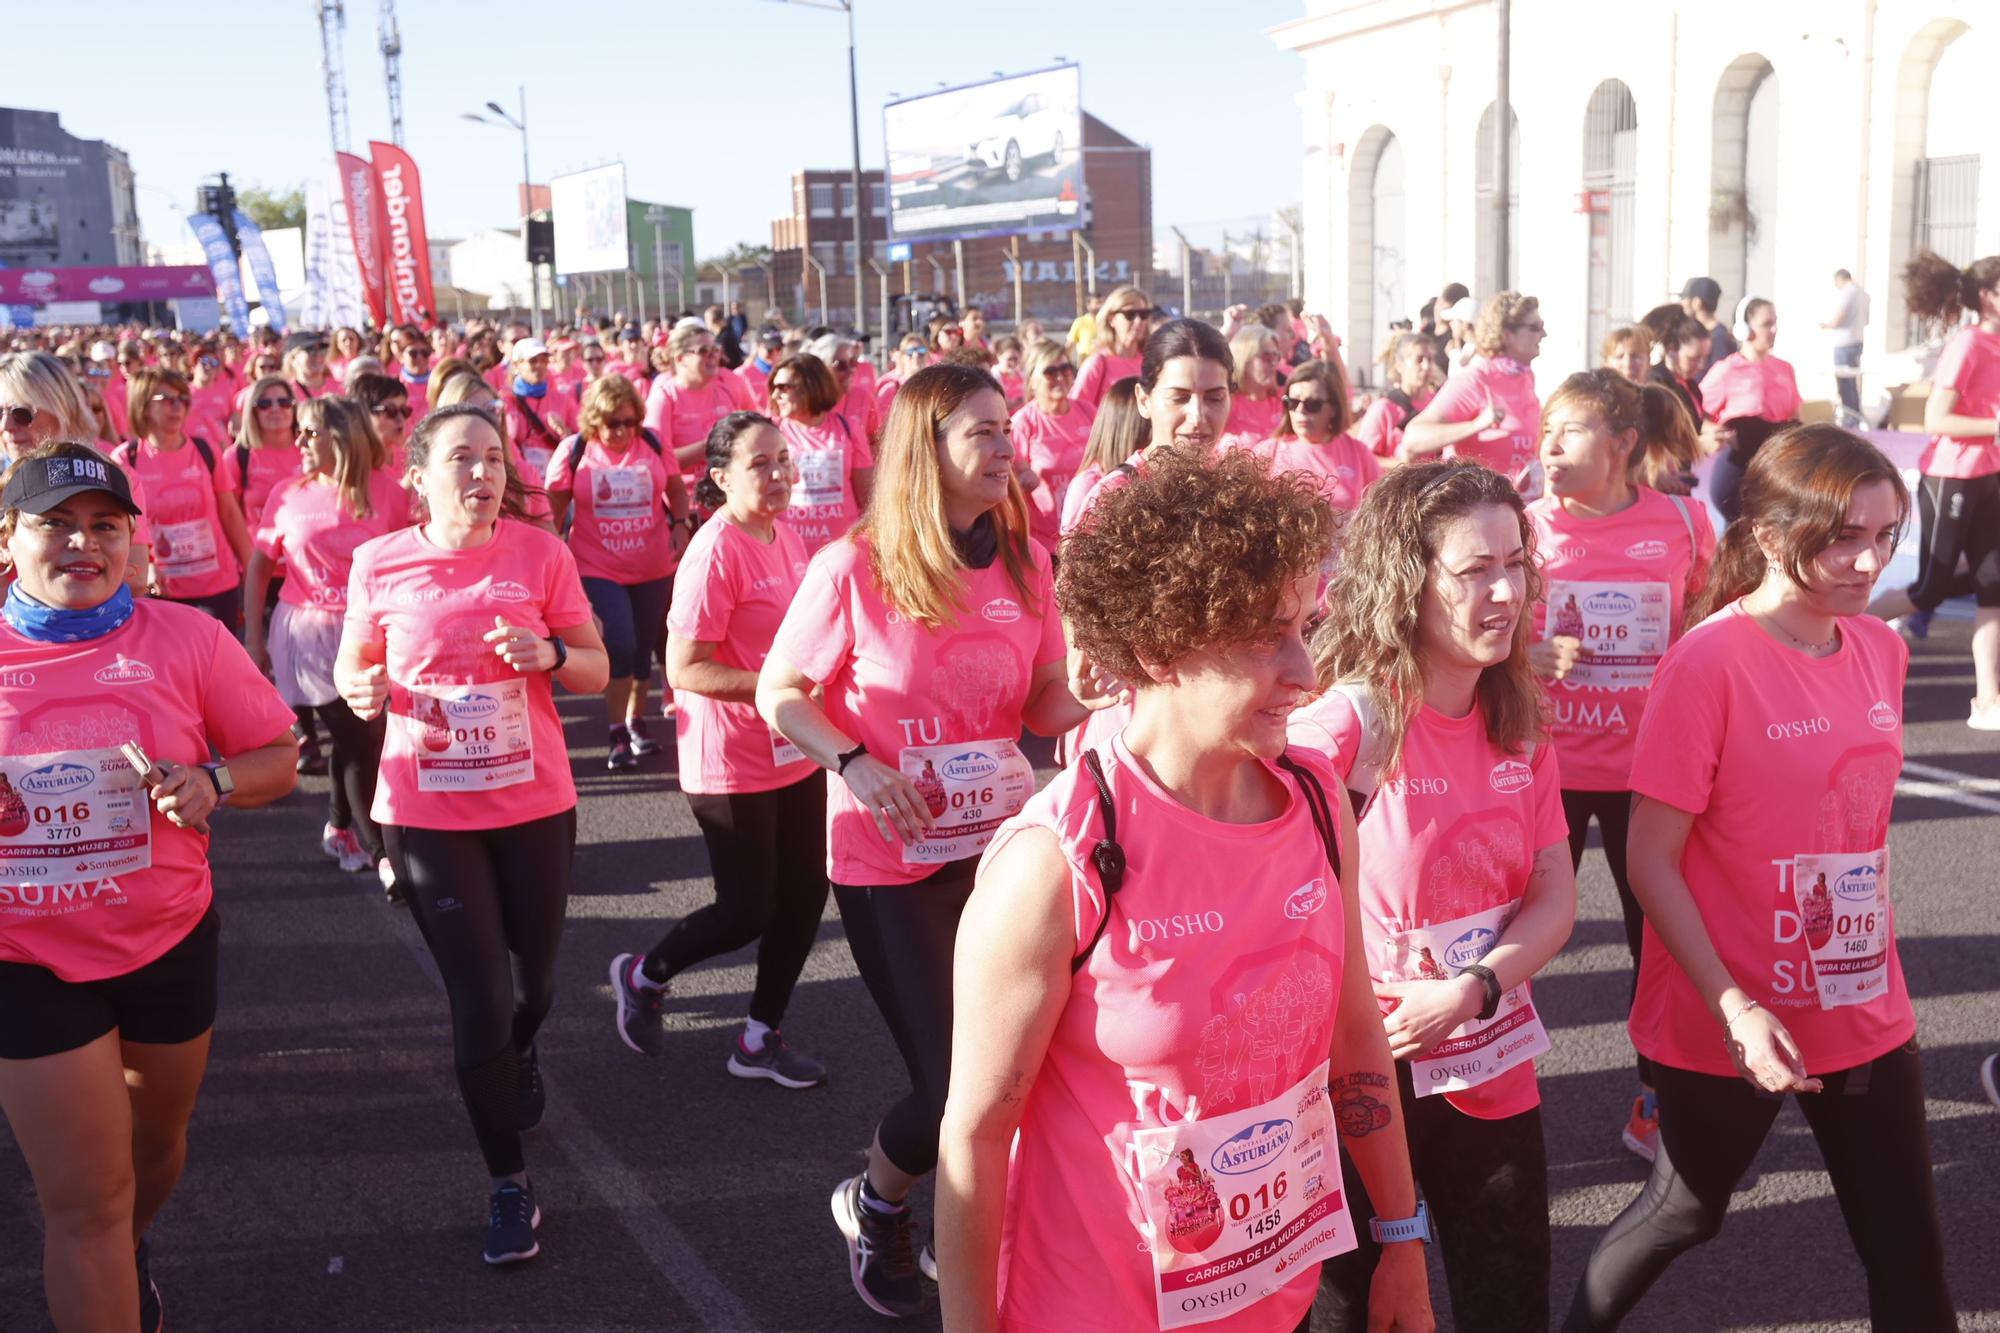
1107 856
1316 804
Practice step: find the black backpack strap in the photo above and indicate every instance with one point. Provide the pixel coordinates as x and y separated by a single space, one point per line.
242 466
1403 405
652 439
1126 468
1107 857
1317 807
541 427
207 454
125 454
575 443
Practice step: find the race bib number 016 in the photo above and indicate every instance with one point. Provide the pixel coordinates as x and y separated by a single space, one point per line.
1477 1050
1844 910
1623 624
71 818
970 789
472 737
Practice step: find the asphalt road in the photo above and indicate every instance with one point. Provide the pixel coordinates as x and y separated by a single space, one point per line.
333 1182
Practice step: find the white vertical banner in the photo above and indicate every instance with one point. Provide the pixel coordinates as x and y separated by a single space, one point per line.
333 277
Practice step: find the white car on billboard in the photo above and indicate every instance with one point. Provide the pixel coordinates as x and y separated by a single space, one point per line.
1031 127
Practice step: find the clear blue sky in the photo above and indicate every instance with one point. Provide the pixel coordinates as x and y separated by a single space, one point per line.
710 103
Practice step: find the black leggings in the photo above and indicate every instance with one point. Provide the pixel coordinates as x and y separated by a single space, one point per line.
767 854
490 904
1486 1184
1725 479
1958 516
902 936
354 763
1869 1124
1613 812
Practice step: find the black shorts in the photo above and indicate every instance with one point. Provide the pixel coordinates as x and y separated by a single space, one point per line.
168 1001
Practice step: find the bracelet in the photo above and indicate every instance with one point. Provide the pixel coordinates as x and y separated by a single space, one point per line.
1730 1022
1489 983
562 652
849 757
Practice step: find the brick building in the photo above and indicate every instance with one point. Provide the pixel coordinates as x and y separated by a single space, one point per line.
1118 183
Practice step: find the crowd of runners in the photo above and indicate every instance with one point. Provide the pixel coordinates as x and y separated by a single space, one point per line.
1230 1021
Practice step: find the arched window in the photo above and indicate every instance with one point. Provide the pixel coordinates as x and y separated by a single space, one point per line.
1937 151
1377 287
1610 148
1743 178
1486 273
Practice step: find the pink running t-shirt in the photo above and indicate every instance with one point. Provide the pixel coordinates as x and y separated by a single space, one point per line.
757 380
1621 584
536 436
824 505
1451 832
732 591
621 530
472 743
1344 466
683 417
1254 420
1737 387
1053 446
191 554
1100 371
1213 990
1777 755
269 468
1508 448
308 529
208 411
1969 364
915 696
1381 426
176 681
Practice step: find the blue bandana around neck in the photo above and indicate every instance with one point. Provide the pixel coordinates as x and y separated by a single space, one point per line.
424 378
52 624
527 390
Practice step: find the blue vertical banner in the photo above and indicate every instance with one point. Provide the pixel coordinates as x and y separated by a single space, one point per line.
222 263
252 238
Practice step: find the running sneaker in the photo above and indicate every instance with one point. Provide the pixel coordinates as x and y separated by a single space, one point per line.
642 744
534 1097
353 861
311 760
510 1225
777 1062
1642 1131
392 892
641 1009
329 841
1989 1078
1914 627
1985 718
621 755
152 1316
879 1257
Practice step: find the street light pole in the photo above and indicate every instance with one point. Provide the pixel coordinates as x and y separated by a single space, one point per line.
859 210
500 118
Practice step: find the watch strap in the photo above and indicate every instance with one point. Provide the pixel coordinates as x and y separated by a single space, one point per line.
1491 984
219 774
1417 1227
562 652
849 757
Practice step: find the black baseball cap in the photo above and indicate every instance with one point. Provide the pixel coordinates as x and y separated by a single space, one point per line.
304 342
1705 290
37 485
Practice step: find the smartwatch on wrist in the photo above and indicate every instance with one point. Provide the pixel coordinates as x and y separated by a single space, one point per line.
224 783
562 652
848 757
1491 984
1417 1227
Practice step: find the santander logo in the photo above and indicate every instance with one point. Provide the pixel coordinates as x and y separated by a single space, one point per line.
1882 717
1001 611
1510 776
1647 550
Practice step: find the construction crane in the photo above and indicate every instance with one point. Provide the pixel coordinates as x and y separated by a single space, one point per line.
332 15
391 42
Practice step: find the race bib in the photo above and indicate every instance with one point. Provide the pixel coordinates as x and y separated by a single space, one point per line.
970 788
783 752
1844 912
472 737
1478 1049
1237 1203
822 476
622 493
75 817
1623 624
185 550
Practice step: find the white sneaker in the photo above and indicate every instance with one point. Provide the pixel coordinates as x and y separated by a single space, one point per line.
1984 719
353 861
329 841
1989 1078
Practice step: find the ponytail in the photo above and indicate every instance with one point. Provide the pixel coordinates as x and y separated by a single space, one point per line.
1668 445
1939 292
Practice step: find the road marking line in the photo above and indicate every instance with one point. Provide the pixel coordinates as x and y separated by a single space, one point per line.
1943 784
672 1256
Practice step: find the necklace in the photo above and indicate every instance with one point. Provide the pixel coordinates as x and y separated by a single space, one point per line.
1816 649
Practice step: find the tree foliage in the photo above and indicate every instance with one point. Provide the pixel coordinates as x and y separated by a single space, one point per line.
272 209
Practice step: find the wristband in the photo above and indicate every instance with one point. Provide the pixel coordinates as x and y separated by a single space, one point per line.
1729 1023
562 652
1490 983
840 767
1417 1227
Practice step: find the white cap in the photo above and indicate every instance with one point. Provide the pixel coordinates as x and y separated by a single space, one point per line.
1465 310
527 349
103 351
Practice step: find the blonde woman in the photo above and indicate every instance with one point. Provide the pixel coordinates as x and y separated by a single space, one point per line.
1118 343
40 401
1050 432
343 495
691 394
1488 411
195 538
1256 399
1410 361
263 457
916 649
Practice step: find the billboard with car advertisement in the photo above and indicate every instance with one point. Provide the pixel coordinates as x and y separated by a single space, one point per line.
987 159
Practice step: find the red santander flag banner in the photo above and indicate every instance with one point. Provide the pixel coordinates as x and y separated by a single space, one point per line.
364 223
405 246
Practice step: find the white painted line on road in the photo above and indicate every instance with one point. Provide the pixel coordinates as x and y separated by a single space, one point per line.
672 1256
1943 784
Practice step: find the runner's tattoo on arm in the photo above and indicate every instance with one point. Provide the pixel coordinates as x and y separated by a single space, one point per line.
1015 1093
1358 1111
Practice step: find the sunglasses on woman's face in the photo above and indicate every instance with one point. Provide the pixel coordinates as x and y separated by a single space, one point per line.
1062 372
781 386
19 417
621 425
1133 312
400 411
180 398
273 404
1306 405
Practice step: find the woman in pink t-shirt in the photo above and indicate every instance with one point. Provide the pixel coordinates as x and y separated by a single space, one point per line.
760 802
195 537
1488 411
1256 397
213 395
1958 502
540 412
930 632
1128 1012
1050 433
1312 436
830 451
1118 432
305 366
1009 360
1409 363
457 629
310 529
1433 718
1764 775
108 941
1746 397
263 456
688 399
1122 326
631 522
390 414
43 402
1621 563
